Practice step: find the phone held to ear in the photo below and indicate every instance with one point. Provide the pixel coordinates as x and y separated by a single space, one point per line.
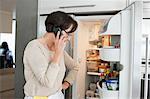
56 30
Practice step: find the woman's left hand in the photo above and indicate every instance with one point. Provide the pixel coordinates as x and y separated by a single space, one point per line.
65 85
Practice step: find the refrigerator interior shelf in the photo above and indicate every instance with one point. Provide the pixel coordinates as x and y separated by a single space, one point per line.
93 59
94 49
110 54
94 73
107 33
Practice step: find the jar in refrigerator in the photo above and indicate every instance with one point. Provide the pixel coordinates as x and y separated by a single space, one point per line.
106 41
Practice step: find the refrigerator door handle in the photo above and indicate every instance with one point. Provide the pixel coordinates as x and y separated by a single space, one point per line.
146 68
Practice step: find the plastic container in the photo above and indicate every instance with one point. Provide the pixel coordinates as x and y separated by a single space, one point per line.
113 83
107 94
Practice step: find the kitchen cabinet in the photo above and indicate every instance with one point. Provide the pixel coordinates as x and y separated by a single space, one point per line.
5 22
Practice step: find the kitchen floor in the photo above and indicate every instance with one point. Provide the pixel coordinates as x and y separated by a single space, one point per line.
7 79
7 94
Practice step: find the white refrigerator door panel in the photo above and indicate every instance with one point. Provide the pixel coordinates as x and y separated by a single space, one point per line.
131 35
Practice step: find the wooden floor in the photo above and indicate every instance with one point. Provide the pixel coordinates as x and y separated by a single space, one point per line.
7 79
7 94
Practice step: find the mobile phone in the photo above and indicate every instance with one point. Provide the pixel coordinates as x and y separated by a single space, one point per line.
56 30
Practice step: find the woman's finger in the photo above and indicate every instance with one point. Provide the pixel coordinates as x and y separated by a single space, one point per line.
65 39
58 33
62 37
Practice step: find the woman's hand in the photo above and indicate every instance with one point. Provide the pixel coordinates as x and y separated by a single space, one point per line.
60 44
65 85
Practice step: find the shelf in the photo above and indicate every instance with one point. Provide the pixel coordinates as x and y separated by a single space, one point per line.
110 54
93 59
104 34
94 49
94 73
112 27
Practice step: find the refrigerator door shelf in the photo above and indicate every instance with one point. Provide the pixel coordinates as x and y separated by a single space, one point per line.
112 26
110 54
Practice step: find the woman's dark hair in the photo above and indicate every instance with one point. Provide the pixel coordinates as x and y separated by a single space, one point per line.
60 19
5 47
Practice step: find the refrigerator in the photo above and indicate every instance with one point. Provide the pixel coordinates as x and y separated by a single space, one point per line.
132 25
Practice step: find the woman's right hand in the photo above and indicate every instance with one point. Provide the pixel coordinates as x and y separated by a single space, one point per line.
60 44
